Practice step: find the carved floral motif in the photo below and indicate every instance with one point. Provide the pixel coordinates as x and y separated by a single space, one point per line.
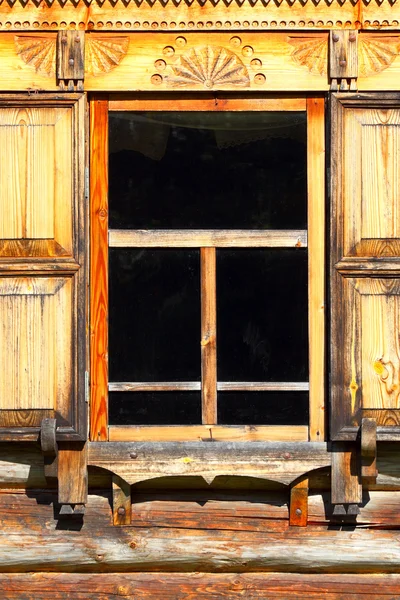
102 53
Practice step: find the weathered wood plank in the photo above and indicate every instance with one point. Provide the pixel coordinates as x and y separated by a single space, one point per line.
277 461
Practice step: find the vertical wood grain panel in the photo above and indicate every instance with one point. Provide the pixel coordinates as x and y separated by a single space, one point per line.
208 336
99 268
380 352
35 352
371 182
316 264
380 181
36 174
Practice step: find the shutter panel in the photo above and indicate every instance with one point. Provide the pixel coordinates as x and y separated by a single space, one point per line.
365 270
42 265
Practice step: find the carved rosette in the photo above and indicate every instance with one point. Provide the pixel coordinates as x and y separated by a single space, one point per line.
375 53
207 67
102 52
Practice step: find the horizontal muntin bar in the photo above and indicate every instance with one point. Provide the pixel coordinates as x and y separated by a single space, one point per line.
207 238
195 386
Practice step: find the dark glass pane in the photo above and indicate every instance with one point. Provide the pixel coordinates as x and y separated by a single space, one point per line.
154 408
262 315
243 170
263 408
154 317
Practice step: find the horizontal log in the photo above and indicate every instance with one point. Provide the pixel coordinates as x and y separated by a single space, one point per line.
31 539
196 586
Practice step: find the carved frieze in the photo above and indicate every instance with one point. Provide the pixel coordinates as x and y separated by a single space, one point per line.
207 66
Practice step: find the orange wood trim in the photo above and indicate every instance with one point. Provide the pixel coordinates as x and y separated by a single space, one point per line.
217 102
99 268
193 433
208 336
316 265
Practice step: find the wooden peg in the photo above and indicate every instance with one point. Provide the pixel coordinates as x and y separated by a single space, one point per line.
298 511
49 448
122 506
369 471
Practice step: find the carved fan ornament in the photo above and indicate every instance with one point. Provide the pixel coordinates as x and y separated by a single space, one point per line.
102 53
210 66
375 54
207 66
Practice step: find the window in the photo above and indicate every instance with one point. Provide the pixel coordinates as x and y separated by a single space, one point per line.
208 274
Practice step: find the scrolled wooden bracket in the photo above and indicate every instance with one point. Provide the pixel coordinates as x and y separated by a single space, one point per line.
298 510
343 60
369 471
70 60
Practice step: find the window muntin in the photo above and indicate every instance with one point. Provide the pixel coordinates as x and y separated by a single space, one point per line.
213 244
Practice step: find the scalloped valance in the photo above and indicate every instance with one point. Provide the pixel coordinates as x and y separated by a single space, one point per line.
207 15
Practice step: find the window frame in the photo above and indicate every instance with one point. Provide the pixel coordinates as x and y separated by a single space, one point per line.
100 106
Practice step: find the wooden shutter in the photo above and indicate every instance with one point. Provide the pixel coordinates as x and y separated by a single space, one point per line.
365 269
42 265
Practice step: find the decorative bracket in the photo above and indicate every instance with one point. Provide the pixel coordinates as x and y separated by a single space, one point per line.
368 451
298 511
65 463
70 60
49 449
343 60
122 504
352 469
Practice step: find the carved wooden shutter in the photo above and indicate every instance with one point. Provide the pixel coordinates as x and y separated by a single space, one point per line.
365 270
42 265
